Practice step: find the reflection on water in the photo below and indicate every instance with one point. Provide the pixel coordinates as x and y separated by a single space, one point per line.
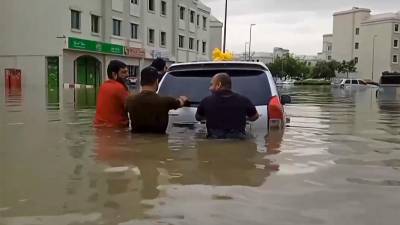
336 163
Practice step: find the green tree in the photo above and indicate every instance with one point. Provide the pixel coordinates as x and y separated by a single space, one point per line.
325 70
347 67
289 67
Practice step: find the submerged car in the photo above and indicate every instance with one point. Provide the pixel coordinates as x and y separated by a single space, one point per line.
353 83
249 79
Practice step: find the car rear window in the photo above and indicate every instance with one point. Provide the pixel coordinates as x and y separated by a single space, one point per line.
195 84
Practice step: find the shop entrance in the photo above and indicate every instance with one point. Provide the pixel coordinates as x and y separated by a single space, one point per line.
88 71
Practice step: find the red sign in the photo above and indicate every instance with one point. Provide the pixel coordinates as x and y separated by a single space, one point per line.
135 52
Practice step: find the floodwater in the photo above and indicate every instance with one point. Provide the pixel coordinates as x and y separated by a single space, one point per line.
336 163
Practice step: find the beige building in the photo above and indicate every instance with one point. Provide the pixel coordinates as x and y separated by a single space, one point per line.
372 41
63 42
327 44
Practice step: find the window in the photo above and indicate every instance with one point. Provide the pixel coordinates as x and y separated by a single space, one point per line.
151 36
151 5
357 45
204 23
362 82
95 24
191 43
204 47
198 20
357 31
192 15
329 57
181 41
75 20
395 59
163 8
134 31
396 43
347 82
396 28
182 13
194 83
163 38
135 2
356 60
198 45
354 82
329 48
116 27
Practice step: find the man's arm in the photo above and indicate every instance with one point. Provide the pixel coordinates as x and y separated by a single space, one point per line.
200 113
176 103
252 114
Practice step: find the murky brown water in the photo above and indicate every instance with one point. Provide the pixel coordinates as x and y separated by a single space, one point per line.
337 163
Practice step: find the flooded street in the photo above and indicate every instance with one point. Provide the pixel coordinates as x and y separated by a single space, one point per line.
337 162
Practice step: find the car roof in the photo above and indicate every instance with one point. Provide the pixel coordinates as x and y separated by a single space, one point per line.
217 65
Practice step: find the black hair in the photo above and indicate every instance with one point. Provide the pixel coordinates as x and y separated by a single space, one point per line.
148 76
114 67
159 64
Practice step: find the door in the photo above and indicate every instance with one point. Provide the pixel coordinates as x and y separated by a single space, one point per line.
88 71
53 80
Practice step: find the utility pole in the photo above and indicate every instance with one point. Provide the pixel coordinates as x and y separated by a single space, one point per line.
226 18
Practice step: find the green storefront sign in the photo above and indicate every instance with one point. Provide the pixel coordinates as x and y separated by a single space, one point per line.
94 46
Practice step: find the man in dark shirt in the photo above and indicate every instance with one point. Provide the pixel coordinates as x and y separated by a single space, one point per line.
161 67
147 110
225 112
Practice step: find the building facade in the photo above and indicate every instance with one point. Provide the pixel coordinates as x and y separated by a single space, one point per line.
64 42
327 43
372 41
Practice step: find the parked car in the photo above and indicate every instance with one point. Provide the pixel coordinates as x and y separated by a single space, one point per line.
250 79
353 83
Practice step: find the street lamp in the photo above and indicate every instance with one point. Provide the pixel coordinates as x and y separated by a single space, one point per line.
226 16
251 26
245 50
373 55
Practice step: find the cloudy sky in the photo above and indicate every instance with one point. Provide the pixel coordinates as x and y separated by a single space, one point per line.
297 25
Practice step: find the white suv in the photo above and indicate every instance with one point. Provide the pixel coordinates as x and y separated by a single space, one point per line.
252 80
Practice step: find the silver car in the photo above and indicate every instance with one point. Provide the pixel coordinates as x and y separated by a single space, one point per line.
252 80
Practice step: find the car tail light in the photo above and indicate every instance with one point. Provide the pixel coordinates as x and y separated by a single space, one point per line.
275 113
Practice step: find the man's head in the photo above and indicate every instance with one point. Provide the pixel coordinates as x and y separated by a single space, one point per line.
220 82
149 77
117 70
160 65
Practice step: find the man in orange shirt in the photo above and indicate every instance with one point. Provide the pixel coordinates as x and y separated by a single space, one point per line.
112 97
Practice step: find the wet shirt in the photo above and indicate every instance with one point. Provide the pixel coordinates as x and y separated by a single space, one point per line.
226 113
110 111
149 112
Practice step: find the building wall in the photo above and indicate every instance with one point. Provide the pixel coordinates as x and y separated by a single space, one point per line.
345 24
216 34
28 28
396 51
327 47
33 30
382 50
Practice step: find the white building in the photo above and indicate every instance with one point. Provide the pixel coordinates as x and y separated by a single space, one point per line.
280 52
310 60
58 42
327 44
371 40
264 57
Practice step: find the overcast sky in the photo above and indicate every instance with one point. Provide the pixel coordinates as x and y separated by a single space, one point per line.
297 25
